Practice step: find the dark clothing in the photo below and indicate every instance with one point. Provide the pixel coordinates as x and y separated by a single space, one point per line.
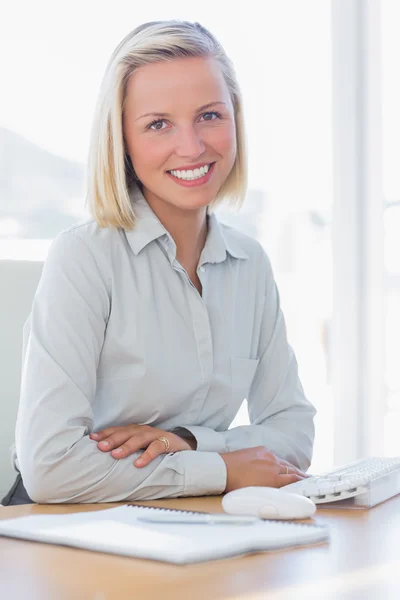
17 494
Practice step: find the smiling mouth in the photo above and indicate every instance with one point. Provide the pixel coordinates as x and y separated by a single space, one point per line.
209 165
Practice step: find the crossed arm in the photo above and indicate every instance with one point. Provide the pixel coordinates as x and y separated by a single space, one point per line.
59 459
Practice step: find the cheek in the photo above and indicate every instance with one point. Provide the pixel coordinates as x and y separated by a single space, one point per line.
224 141
150 153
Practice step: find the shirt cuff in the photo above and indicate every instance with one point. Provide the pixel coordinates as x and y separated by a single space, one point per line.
205 473
207 439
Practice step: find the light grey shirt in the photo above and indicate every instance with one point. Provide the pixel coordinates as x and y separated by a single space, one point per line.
118 334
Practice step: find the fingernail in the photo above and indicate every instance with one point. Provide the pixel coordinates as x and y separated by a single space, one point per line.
95 435
118 451
139 462
105 443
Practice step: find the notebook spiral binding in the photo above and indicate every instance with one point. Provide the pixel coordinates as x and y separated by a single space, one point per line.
174 510
201 512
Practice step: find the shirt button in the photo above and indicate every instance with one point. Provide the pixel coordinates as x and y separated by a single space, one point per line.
202 269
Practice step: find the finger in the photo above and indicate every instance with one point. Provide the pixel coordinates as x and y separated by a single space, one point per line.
292 472
292 469
102 433
154 449
283 480
138 441
281 463
130 446
115 440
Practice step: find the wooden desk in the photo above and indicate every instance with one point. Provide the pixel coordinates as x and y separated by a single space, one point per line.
362 561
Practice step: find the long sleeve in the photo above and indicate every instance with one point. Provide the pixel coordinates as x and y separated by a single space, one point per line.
62 344
281 417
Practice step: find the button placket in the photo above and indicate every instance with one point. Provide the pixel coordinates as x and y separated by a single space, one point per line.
203 339
202 330
178 267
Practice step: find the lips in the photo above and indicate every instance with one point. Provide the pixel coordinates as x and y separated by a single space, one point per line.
191 168
193 183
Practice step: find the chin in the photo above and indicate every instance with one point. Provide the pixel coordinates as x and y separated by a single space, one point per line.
188 203
187 199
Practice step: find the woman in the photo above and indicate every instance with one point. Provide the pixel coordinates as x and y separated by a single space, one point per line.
153 321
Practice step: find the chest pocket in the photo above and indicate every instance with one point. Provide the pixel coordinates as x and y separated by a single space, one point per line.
243 371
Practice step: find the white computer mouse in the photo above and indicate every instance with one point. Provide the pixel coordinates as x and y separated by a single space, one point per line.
268 503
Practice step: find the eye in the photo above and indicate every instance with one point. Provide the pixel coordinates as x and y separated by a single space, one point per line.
152 125
214 113
155 122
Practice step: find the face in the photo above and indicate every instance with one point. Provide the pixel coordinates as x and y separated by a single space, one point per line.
179 117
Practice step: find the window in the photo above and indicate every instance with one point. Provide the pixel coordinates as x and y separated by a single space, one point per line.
391 188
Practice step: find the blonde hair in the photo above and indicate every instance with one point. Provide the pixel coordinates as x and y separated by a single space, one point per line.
109 173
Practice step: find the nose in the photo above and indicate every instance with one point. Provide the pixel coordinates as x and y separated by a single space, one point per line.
189 143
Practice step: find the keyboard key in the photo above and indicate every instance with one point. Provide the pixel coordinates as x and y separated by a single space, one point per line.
342 486
325 488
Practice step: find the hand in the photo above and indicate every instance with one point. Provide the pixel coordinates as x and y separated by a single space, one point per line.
126 440
258 466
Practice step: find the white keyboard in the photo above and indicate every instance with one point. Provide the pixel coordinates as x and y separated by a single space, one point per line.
363 483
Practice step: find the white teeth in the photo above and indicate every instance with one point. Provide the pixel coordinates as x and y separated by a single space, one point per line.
190 175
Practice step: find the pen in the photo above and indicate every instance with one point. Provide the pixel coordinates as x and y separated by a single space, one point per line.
210 519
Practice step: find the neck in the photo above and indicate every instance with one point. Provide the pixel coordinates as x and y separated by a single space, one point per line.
188 229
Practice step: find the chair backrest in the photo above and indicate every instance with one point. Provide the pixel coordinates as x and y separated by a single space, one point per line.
18 283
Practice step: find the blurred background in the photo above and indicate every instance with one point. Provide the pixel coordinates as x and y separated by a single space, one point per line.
320 81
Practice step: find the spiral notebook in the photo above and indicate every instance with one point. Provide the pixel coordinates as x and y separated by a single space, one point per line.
120 531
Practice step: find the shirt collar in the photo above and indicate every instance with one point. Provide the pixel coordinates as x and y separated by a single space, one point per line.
148 228
219 241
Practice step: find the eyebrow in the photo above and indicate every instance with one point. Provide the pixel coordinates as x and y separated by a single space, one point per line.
160 114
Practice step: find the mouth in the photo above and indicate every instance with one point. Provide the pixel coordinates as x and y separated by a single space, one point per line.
180 170
198 176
